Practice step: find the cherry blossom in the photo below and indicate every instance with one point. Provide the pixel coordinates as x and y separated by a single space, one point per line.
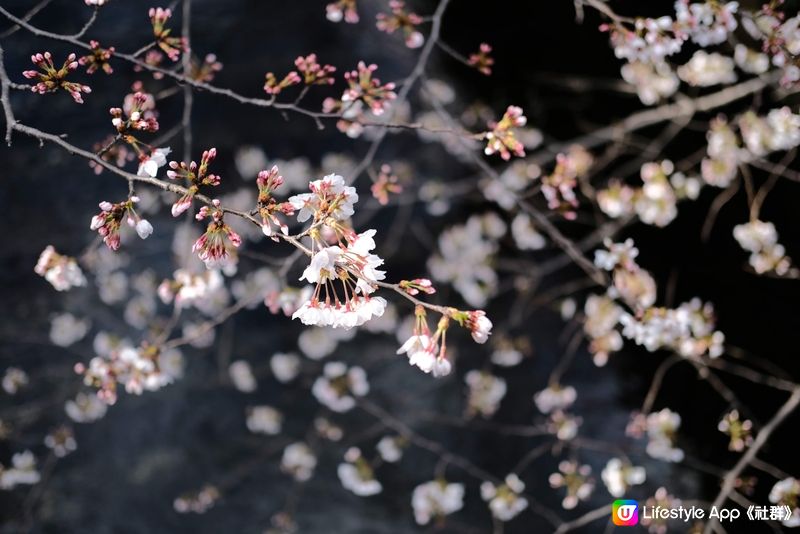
206 70
390 448
339 385
98 59
61 441
61 271
284 366
197 502
241 375
85 408
436 499
357 475
653 81
22 471
662 429
740 432
706 69
66 329
299 461
51 79
264 420
170 45
363 91
619 476
400 19
342 10
575 479
647 40
504 500
786 492
485 393
500 138
761 240
196 176
555 397
150 163
706 23
13 380
481 59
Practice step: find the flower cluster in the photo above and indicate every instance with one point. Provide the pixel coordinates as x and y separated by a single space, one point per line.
346 272
66 329
619 476
761 240
151 161
786 492
195 176
653 81
363 91
61 271
558 187
555 397
501 138
14 379
51 79
206 70
602 316
357 475
268 207
575 479
510 185
85 408
465 257
312 72
779 37
197 502
648 40
187 289
140 115
662 429
705 70
740 432
264 420
299 461
658 524
339 385
22 471
778 130
720 167
485 393
217 246
706 23
435 499
504 500
426 351
342 10
273 87
417 285
97 59
688 329
109 220
481 59
400 19
385 184
656 201
172 46
61 441
147 368
112 152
